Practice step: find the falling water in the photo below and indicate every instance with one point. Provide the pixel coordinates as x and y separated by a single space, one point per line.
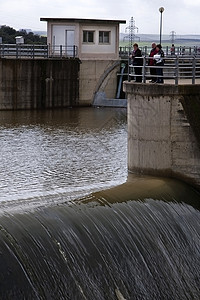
74 226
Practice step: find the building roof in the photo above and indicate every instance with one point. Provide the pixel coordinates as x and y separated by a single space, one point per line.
74 20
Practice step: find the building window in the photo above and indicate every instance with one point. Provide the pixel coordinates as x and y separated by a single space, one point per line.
88 36
104 37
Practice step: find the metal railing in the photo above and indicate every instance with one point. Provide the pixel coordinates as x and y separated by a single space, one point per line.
60 51
124 52
37 51
63 51
175 68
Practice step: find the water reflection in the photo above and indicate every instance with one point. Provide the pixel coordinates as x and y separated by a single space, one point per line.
48 155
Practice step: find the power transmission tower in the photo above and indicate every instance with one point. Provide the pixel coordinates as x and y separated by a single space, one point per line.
131 29
172 36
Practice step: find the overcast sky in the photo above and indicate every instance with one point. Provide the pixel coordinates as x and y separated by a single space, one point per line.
181 16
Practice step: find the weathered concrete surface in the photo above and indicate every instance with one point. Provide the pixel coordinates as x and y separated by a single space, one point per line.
101 100
97 76
161 140
49 83
38 83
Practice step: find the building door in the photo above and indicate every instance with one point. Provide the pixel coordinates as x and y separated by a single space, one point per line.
69 42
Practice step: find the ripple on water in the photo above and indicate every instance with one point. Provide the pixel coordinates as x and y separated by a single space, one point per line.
60 154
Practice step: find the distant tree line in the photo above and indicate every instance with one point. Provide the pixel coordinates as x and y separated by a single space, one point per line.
8 35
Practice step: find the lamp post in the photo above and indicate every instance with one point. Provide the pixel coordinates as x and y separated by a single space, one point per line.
161 9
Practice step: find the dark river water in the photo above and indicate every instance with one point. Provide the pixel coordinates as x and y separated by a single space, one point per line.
75 225
56 155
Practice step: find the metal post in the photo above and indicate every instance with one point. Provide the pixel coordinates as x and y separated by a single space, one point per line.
129 70
161 9
74 51
60 51
33 51
48 50
193 69
176 70
160 27
144 69
17 50
167 50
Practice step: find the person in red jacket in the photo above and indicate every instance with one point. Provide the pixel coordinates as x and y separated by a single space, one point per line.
152 62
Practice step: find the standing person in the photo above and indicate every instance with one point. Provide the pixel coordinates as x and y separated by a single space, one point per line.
172 49
159 59
151 62
137 62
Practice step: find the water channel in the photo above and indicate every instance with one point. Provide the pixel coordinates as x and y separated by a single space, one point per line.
75 225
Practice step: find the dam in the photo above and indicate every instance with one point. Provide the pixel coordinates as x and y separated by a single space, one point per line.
77 223
74 224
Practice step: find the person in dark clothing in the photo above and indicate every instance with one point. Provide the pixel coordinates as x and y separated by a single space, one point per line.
172 50
159 59
151 62
137 62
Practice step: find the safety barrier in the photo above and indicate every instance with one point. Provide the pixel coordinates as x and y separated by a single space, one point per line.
175 67
37 51
124 52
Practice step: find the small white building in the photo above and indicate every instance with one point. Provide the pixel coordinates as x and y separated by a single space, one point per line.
19 40
89 38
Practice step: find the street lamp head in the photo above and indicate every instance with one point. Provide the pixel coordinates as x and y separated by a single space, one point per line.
161 9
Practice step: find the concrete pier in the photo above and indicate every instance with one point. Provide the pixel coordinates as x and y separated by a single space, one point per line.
164 130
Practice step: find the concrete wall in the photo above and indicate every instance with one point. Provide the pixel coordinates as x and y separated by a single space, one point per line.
49 83
38 83
97 76
100 50
161 140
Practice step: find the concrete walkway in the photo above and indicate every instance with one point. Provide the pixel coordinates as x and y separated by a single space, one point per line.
101 100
